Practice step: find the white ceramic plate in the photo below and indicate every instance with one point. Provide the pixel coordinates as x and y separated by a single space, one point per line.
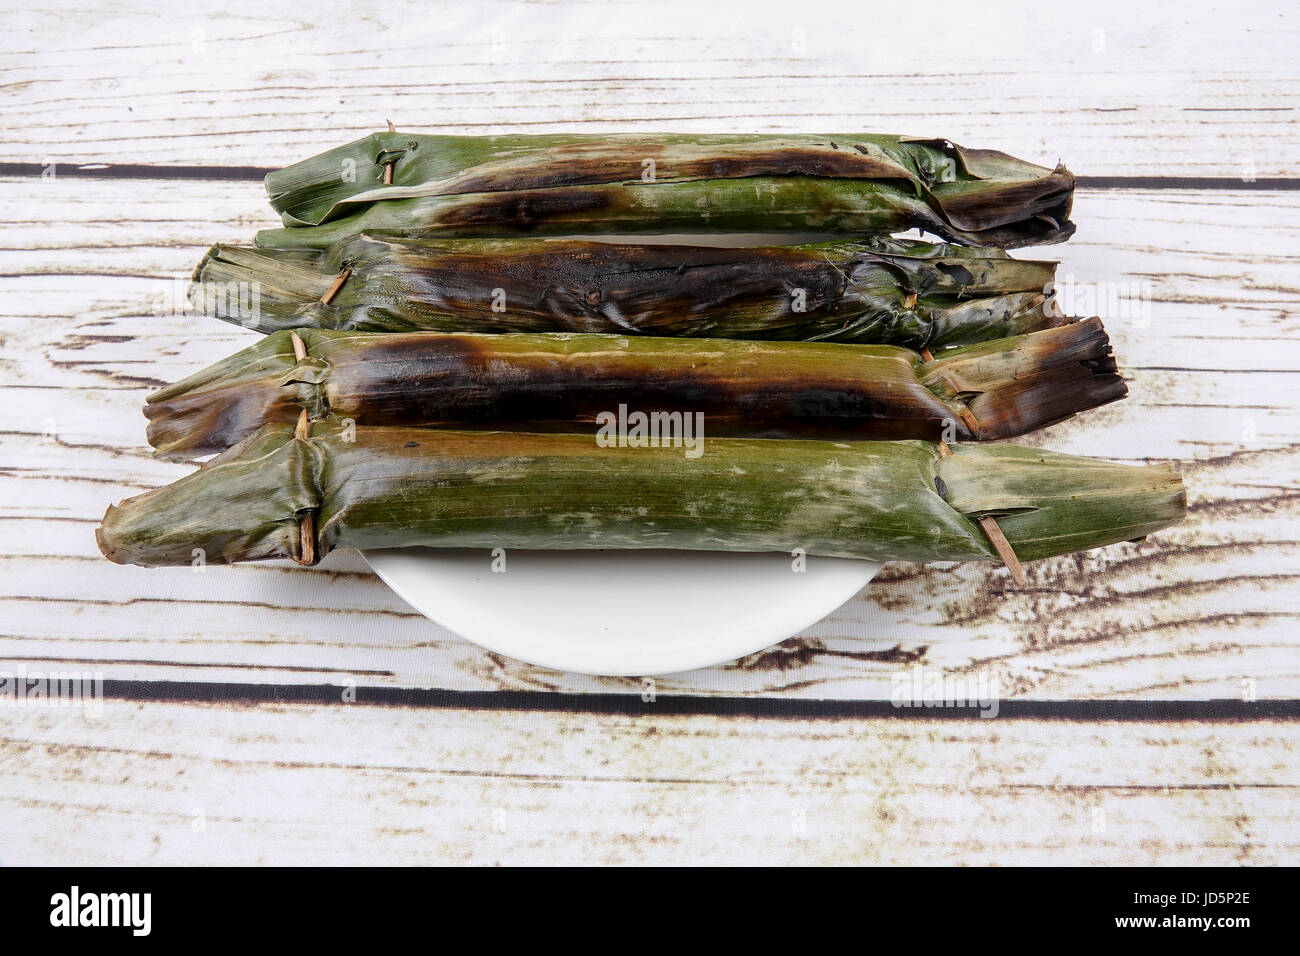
629 613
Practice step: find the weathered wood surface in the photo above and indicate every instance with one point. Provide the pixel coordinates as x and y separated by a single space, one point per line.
1200 91
1191 613
162 783
1206 91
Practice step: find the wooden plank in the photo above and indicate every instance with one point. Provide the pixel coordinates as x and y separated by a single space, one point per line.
161 783
1212 372
1110 92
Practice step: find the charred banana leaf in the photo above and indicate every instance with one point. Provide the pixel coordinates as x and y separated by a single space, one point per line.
424 185
564 382
887 291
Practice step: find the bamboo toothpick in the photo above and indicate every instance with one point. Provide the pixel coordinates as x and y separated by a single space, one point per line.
1004 549
337 284
388 166
963 410
969 418
996 537
307 523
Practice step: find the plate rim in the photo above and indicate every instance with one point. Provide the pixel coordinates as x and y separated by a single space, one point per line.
374 558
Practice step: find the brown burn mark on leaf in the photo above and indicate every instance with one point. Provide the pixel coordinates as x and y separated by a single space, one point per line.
1009 212
461 380
586 164
593 287
526 210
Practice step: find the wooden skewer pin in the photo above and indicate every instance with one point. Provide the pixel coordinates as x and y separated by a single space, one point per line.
388 166
996 537
307 523
337 284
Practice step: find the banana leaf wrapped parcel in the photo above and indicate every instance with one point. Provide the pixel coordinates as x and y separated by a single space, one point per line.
403 184
300 491
563 382
882 291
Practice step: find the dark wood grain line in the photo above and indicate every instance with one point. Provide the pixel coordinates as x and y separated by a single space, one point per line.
1221 710
98 170
1185 182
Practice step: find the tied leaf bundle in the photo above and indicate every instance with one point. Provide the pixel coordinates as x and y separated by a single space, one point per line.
886 291
426 185
561 382
301 491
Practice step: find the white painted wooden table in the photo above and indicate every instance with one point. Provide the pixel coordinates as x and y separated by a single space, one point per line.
226 739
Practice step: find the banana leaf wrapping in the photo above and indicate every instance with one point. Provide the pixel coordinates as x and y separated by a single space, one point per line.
301 491
563 382
568 185
886 291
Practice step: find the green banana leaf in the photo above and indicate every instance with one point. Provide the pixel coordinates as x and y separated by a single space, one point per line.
667 183
299 491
